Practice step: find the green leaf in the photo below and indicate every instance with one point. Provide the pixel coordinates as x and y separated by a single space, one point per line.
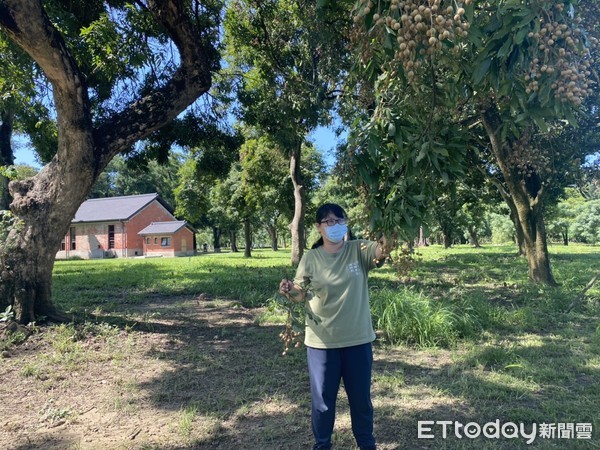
505 89
492 26
481 71
469 12
521 117
387 42
544 94
570 117
541 123
520 36
398 140
475 36
527 19
422 152
441 151
391 129
505 49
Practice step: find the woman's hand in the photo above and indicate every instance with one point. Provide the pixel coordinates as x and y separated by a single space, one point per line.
285 286
291 290
384 249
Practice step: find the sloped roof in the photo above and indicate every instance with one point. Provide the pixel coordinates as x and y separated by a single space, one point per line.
115 208
164 227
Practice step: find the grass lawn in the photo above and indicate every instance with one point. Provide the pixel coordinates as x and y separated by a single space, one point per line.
180 353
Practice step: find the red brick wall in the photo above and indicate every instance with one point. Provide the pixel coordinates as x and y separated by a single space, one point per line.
154 212
92 238
156 249
184 233
175 249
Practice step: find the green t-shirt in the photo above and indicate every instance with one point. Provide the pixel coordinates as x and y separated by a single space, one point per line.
340 295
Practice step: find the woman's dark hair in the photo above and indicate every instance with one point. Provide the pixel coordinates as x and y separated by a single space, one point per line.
322 213
330 208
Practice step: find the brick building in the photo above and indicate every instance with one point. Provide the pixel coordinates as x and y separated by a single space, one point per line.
110 227
171 238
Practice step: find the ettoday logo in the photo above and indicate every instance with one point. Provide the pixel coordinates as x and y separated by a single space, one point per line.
427 429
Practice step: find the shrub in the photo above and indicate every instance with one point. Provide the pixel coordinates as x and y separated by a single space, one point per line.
406 316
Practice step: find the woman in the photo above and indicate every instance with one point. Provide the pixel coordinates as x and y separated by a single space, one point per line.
339 341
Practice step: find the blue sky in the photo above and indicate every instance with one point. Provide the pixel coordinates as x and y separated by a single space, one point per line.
23 152
326 141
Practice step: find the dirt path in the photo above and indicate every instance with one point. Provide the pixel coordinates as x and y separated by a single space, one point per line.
181 373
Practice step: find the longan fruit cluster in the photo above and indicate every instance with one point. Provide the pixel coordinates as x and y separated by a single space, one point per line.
290 338
528 156
559 58
420 26
405 261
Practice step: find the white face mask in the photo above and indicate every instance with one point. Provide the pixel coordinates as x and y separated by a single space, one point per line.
336 233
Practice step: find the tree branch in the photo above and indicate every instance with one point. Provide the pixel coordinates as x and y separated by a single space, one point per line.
190 81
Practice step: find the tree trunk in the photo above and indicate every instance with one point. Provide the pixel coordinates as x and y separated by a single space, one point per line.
45 204
447 239
527 195
6 155
514 216
519 233
537 249
247 238
565 236
272 230
27 255
233 241
473 238
297 225
535 241
422 241
216 239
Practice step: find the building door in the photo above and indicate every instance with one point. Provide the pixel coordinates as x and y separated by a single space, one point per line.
184 246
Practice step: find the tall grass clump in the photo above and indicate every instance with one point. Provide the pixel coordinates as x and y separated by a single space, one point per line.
409 317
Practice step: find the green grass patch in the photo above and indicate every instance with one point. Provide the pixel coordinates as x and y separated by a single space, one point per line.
466 337
408 316
452 294
115 282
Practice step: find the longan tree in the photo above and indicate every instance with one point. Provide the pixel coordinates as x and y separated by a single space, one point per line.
450 76
118 71
268 192
286 58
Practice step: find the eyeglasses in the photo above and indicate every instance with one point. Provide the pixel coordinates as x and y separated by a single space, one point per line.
332 222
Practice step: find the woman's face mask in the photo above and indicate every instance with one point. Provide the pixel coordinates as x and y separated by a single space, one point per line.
336 233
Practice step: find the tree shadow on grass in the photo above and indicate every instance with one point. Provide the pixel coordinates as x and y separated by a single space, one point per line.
45 442
244 395
114 283
229 369
549 382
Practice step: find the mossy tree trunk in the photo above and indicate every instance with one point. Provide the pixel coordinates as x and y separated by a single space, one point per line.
44 205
